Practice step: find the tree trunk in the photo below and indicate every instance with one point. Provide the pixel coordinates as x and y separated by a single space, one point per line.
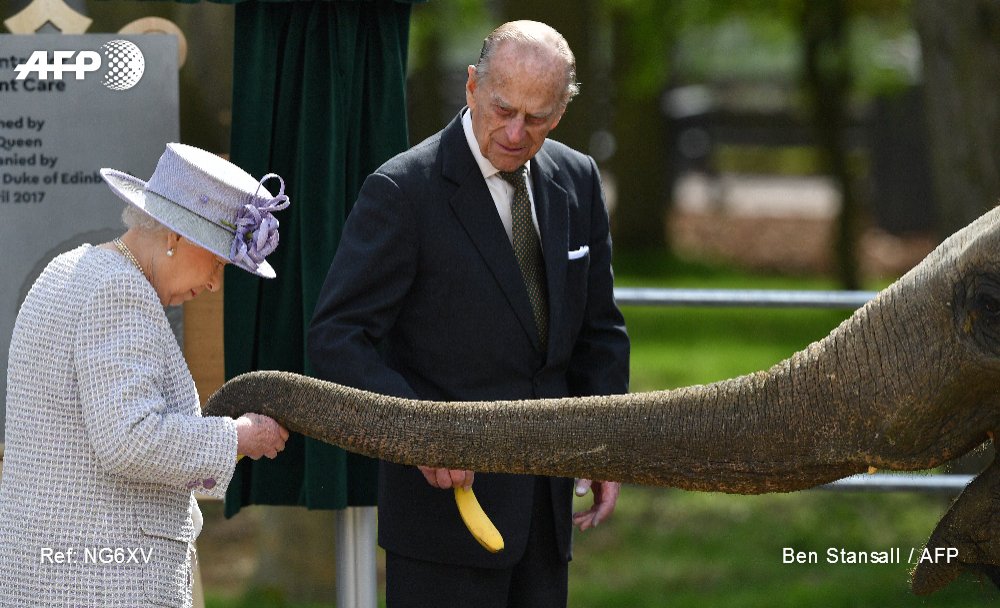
579 23
628 131
960 43
827 80
425 98
641 163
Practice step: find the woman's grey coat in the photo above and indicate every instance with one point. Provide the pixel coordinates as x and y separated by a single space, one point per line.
104 444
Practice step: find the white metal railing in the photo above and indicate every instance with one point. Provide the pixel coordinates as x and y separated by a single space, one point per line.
748 298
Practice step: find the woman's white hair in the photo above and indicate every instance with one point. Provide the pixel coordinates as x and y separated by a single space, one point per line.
136 218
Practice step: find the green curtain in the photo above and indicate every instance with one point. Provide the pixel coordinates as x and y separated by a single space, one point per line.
318 98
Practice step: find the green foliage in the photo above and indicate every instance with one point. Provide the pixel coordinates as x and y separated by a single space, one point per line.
744 39
460 25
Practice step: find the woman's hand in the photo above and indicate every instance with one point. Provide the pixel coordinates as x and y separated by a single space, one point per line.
258 435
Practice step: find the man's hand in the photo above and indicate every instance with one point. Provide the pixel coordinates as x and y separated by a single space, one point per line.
605 498
447 478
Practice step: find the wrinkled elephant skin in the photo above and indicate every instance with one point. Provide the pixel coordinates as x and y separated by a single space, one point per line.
910 381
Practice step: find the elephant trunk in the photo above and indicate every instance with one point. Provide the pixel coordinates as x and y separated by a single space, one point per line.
668 441
818 416
886 389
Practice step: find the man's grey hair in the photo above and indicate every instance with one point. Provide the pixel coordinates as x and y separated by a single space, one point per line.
530 33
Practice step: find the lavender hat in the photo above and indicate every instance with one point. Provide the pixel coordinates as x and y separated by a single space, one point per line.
209 201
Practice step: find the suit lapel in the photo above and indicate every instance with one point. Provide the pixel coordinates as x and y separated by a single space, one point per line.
475 210
552 208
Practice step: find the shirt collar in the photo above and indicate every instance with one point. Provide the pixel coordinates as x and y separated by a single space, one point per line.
485 166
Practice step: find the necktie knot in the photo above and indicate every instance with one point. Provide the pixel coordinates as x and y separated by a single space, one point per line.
514 178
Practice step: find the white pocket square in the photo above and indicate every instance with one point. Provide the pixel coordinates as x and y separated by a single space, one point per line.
576 254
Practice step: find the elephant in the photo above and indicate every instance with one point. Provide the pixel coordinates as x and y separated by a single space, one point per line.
910 381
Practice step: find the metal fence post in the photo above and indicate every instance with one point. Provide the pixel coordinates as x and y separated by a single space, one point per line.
357 577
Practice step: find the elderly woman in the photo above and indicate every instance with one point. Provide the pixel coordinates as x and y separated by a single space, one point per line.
105 442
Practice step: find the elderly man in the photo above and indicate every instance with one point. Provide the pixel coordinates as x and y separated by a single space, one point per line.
477 266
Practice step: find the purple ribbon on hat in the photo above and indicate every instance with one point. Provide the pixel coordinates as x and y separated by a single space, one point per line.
256 229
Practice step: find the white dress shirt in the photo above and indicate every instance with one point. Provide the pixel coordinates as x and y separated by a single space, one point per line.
500 189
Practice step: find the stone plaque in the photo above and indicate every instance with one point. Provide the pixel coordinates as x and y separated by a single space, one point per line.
70 105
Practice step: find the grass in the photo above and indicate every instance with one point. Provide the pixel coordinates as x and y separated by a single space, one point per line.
258 599
674 347
671 547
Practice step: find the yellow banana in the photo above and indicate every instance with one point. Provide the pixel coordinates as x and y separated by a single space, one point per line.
477 521
475 518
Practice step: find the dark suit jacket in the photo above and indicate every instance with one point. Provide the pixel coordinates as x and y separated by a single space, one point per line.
425 299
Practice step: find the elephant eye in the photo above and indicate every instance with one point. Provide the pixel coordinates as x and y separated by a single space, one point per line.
977 299
983 303
988 304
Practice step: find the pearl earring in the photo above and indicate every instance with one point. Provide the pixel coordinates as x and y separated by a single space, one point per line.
170 252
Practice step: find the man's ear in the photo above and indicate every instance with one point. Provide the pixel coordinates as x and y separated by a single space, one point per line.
470 86
562 111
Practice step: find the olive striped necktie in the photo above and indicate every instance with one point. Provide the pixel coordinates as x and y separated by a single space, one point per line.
528 251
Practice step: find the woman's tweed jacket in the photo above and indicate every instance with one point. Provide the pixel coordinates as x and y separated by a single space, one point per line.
104 444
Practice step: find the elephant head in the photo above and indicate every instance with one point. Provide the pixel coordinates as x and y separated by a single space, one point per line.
908 382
